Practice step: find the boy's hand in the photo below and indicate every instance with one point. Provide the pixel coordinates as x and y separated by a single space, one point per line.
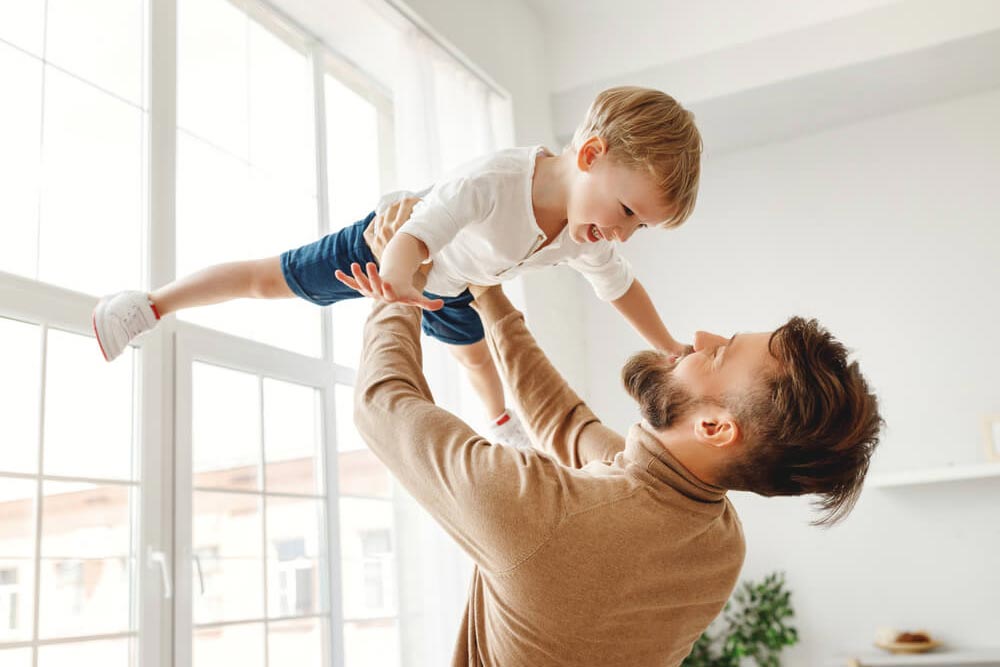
371 284
380 231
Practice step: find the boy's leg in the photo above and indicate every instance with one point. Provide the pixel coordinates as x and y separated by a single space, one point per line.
259 279
482 374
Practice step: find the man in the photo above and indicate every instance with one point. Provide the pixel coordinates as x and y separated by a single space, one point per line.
597 549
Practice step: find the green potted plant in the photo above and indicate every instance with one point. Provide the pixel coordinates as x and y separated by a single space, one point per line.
752 628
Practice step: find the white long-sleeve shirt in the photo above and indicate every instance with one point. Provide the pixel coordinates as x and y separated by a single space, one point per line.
479 226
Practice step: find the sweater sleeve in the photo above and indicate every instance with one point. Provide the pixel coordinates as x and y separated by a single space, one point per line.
558 419
497 502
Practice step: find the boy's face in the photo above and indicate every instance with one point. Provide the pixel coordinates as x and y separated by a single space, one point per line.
609 201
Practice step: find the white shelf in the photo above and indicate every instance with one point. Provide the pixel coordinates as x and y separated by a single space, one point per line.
952 473
938 658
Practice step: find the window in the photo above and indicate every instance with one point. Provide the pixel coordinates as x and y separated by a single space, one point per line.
143 141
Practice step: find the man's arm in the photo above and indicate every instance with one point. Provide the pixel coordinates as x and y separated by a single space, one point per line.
557 417
498 503
638 310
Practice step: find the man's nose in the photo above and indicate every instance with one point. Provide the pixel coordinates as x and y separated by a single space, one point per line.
704 340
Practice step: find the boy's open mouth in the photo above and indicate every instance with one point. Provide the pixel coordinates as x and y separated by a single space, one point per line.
594 234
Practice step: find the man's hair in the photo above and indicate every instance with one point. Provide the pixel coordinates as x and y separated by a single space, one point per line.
648 129
811 428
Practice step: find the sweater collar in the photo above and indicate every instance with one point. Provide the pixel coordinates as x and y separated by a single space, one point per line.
645 451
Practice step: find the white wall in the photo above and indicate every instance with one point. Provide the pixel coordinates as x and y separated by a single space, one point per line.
887 231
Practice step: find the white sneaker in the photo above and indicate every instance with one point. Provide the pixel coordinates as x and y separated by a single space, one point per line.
511 432
118 318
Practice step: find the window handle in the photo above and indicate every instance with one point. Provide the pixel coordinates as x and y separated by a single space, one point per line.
201 577
160 558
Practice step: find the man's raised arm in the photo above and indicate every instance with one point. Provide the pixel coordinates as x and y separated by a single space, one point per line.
476 490
555 415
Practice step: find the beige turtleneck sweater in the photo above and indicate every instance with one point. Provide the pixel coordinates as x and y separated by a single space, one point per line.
591 550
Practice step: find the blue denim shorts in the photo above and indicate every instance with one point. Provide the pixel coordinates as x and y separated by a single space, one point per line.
309 273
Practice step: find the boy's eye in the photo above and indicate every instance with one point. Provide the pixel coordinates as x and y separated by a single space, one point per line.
628 211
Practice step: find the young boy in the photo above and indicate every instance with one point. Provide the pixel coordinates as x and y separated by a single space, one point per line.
633 163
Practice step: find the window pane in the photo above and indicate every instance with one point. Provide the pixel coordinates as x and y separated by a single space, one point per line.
17 564
88 410
106 653
225 431
20 136
22 22
227 213
349 319
18 657
360 473
292 438
92 194
295 562
228 569
241 645
281 110
99 41
212 72
352 154
20 359
367 546
297 642
372 642
86 559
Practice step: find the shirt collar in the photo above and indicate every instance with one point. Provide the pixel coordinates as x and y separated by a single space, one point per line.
652 461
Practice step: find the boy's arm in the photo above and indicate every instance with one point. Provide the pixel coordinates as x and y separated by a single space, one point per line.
498 503
554 414
639 311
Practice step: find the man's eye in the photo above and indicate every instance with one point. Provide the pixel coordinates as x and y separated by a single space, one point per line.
628 211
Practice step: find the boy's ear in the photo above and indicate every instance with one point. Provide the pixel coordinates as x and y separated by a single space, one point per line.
591 149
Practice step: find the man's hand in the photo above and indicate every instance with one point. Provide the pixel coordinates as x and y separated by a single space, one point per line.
380 230
370 284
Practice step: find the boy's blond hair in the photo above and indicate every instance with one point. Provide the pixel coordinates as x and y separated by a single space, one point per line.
648 129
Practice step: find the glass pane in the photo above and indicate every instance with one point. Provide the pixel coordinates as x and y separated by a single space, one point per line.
367 546
18 657
295 564
372 642
88 410
92 195
292 438
20 359
224 216
99 41
22 22
212 72
20 136
352 151
106 653
297 642
360 473
281 110
241 645
228 568
86 559
349 319
17 564
225 430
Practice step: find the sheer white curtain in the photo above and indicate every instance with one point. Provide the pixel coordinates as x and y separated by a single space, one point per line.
445 115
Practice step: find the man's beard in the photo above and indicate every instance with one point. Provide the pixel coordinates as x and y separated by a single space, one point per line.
648 378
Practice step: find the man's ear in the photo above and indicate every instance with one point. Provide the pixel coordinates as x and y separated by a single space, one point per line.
717 430
591 149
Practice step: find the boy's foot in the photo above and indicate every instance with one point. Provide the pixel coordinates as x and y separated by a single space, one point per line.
508 430
118 318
